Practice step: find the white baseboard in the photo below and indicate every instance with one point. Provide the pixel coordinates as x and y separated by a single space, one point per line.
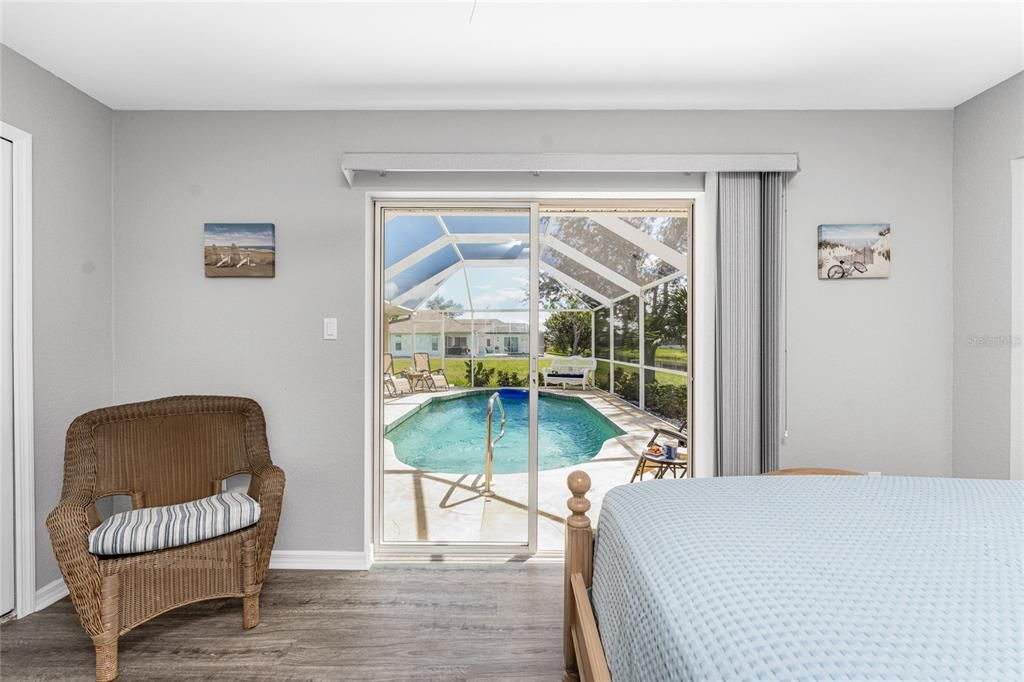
50 594
319 560
54 591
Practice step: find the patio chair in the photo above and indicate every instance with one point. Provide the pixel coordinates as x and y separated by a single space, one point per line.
184 540
421 374
394 384
680 466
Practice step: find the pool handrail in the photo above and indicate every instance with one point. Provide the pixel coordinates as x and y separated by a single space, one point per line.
489 451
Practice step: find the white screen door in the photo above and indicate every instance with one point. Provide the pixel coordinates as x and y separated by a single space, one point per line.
6 382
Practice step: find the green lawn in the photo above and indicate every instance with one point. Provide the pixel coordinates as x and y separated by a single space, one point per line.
670 379
672 358
666 396
455 369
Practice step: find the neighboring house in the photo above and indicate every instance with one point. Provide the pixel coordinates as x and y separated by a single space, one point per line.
462 335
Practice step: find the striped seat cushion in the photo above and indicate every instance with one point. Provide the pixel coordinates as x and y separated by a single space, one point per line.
152 528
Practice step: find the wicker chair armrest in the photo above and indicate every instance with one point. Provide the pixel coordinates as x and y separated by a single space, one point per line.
267 488
267 481
69 525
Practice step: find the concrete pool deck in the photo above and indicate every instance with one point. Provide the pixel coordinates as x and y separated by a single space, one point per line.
421 506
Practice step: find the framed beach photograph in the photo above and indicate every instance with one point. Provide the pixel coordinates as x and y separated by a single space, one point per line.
854 251
239 249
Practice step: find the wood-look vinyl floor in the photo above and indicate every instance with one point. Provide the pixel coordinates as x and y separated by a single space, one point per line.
394 622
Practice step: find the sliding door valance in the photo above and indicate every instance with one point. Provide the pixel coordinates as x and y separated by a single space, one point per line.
551 162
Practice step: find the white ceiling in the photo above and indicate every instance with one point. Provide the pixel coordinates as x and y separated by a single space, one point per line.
522 55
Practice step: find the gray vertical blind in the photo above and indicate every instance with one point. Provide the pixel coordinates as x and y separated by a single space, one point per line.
772 262
747 336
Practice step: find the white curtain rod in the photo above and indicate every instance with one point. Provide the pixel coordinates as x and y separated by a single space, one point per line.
463 162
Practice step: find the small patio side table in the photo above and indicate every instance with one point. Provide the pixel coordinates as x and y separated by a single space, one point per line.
680 466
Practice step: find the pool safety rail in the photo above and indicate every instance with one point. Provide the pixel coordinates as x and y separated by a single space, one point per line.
489 452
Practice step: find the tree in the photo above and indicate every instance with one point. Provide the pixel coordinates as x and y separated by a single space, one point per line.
439 302
665 317
556 296
567 332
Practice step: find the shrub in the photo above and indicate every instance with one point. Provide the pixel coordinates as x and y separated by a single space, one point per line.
510 379
482 376
627 384
666 400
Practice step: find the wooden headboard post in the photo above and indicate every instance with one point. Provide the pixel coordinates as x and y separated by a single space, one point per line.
579 559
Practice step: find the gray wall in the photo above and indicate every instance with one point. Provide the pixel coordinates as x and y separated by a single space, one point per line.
988 134
71 143
873 366
870 369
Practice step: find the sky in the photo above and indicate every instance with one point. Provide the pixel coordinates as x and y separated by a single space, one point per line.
858 232
242 234
493 288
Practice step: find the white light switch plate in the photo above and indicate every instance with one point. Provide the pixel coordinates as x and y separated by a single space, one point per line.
330 328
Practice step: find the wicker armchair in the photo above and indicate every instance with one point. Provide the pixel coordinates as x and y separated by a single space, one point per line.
162 452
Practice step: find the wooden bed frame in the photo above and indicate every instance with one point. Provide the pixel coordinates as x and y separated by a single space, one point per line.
581 642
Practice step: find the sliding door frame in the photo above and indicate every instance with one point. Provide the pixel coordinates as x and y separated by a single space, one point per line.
443 548
535 202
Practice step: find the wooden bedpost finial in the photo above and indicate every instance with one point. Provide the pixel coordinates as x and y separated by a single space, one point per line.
579 505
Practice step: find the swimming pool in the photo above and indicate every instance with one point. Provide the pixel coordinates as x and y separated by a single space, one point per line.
448 435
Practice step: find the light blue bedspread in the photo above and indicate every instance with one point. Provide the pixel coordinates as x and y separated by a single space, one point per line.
812 578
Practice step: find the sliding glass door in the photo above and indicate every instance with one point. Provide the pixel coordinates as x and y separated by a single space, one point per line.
518 342
454 457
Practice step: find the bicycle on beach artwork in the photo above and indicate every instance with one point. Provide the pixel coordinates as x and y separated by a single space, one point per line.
854 251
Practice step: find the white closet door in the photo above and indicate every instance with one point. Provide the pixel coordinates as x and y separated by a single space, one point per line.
6 382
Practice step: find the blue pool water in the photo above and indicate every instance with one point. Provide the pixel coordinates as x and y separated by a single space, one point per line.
448 436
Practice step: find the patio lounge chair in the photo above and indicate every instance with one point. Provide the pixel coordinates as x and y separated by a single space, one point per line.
680 466
421 374
394 384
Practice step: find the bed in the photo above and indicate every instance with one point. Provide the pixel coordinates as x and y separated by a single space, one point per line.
802 577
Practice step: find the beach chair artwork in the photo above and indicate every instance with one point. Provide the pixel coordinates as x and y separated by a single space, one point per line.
239 250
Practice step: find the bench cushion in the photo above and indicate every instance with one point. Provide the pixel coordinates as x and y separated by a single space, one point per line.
152 528
567 375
